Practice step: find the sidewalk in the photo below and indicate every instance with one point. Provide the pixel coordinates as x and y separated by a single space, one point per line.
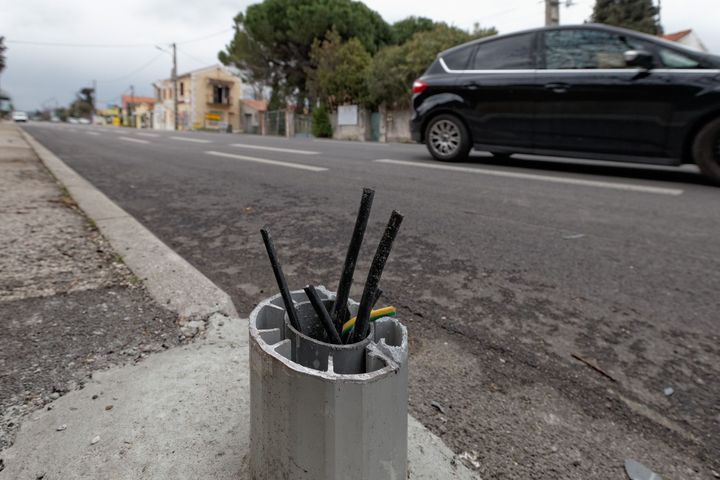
182 413
68 305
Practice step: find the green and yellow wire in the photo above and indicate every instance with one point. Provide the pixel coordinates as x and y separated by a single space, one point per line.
374 315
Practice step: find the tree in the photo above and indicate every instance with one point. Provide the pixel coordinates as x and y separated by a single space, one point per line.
62 113
394 68
321 126
403 30
640 15
83 104
337 74
2 53
273 38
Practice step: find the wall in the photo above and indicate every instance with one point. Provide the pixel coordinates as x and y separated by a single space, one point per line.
359 132
163 117
395 125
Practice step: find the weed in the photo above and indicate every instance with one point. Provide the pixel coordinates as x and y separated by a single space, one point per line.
91 224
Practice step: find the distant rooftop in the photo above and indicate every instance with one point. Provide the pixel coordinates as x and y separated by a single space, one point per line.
259 105
677 36
217 66
137 99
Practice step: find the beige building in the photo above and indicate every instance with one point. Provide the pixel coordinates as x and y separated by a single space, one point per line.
253 115
208 99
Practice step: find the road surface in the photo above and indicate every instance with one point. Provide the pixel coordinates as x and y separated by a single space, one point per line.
550 303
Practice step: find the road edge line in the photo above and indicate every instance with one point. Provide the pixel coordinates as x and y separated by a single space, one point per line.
170 279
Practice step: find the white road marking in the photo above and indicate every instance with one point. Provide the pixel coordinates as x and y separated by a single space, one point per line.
274 149
148 134
544 178
195 140
92 133
267 161
136 140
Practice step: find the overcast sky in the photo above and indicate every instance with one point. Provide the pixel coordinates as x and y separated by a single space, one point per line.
45 75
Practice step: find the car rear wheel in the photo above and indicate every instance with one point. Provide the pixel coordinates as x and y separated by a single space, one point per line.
706 150
447 139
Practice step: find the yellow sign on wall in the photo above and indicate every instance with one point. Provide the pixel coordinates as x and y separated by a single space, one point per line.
213 117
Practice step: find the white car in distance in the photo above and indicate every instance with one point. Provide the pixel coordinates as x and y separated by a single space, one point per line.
18 116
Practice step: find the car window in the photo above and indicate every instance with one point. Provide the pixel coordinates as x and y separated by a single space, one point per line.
458 59
586 49
671 59
505 54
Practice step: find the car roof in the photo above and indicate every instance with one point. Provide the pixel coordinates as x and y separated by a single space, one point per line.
591 26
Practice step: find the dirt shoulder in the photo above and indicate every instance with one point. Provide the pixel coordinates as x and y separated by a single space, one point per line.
68 305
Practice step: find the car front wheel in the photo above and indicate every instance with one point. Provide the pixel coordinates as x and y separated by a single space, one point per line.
706 150
447 139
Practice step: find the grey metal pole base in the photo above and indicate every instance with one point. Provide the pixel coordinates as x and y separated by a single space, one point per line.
321 411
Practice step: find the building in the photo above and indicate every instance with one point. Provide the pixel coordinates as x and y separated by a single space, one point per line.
108 116
137 111
253 115
687 38
208 99
5 103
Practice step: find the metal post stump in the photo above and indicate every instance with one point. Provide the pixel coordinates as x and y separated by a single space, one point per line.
322 411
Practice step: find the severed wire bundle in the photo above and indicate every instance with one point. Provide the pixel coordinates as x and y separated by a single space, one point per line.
339 327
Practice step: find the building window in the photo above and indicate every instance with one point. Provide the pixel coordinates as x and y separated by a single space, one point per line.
221 94
182 89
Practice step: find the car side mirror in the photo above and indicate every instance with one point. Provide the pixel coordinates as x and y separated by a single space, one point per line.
639 58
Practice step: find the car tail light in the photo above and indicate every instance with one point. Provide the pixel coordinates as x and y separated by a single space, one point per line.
418 86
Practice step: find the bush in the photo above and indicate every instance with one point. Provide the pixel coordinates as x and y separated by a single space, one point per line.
321 126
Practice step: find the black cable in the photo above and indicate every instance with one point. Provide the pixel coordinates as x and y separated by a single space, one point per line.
378 294
373 279
280 278
323 315
339 310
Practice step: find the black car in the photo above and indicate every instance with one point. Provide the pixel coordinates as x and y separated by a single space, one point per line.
589 91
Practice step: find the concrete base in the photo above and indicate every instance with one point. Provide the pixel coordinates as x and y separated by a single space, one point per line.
180 414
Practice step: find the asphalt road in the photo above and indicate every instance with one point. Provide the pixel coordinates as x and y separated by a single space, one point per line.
509 276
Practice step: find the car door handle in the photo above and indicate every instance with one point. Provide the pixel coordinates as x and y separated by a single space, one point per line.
471 86
557 87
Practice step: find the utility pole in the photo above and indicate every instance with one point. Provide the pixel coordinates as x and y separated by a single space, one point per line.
94 102
175 85
552 13
131 123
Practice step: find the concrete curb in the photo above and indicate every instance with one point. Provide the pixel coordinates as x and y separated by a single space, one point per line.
182 413
169 278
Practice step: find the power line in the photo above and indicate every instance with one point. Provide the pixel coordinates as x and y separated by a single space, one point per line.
107 45
137 70
206 36
201 62
80 45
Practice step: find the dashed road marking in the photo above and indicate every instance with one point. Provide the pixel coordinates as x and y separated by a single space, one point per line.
543 178
275 149
136 140
266 161
194 140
